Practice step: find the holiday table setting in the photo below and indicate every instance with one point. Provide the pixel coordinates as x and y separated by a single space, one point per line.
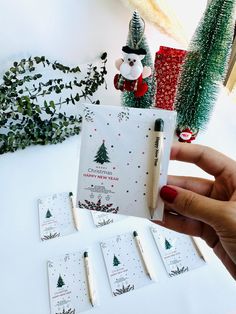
24 255
84 151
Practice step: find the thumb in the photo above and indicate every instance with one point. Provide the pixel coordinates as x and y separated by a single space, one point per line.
192 205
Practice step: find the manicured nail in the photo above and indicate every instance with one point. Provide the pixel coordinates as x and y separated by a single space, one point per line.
168 194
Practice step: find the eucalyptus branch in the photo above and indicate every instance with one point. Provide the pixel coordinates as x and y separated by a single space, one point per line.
27 116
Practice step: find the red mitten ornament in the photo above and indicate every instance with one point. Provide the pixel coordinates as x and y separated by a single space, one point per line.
132 72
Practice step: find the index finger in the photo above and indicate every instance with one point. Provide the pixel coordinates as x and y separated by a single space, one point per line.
208 159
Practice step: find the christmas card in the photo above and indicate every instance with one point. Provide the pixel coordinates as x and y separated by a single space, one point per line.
179 252
55 216
68 284
101 219
118 156
124 264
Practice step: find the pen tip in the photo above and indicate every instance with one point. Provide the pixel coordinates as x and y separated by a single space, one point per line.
135 233
85 254
152 211
70 194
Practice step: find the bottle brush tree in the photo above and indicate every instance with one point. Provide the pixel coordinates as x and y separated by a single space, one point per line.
204 68
136 40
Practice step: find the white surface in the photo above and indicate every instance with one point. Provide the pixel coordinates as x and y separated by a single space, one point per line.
75 32
25 175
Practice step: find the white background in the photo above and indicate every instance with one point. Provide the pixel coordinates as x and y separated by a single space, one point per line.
75 32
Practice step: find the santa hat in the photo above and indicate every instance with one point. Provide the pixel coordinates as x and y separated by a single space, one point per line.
139 51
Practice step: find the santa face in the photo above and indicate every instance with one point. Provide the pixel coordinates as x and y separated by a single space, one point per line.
185 135
132 66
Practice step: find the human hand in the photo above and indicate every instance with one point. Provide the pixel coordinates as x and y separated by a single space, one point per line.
201 207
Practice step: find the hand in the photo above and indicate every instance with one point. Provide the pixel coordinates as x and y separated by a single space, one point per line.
204 208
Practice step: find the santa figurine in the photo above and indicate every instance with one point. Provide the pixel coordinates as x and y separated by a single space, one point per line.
132 72
186 135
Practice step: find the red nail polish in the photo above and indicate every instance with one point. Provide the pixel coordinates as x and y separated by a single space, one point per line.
168 194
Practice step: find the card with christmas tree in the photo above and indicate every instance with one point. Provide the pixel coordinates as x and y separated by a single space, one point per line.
69 288
101 219
120 149
55 216
125 267
179 252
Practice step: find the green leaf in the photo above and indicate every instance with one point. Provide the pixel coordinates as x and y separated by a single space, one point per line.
22 107
104 56
77 97
52 104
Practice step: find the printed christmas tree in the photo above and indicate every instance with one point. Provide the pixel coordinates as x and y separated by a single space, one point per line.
102 155
116 262
167 245
60 282
48 214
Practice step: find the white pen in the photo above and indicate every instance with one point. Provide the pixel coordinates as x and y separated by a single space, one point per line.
198 249
74 211
89 279
141 252
158 129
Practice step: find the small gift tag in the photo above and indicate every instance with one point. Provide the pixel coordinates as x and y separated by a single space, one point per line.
124 264
55 216
178 251
69 288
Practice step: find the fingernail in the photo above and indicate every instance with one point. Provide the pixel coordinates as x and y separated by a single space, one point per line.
168 194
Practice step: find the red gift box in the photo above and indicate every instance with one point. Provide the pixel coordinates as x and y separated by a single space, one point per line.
168 62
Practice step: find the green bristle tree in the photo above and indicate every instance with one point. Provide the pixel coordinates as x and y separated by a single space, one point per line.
205 66
136 39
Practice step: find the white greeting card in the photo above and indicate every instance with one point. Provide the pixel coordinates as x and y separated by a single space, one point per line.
55 216
124 265
117 159
68 284
178 251
101 219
